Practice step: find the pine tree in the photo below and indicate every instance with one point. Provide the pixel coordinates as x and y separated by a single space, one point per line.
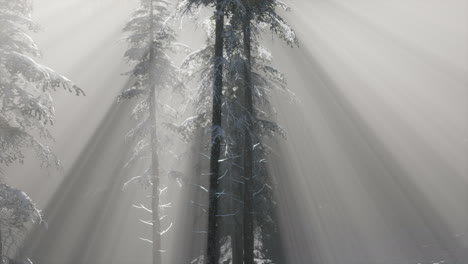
216 126
255 14
150 39
25 88
248 80
26 110
17 211
248 227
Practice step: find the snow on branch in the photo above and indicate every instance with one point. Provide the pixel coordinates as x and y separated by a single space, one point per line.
45 77
166 230
201 187
141 206
146 240
168 205
146 222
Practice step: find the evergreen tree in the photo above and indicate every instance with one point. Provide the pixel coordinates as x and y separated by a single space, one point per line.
150 39
259 79
26 111
17 211
260 12
248 81
25 88
216 126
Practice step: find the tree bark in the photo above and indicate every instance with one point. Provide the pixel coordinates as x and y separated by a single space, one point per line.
197 250
1 246
237 241
156 237
213 250
236 187
154 180
248 224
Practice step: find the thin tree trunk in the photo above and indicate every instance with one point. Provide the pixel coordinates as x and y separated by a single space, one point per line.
1 246
155 181
249 257
156 238
213 250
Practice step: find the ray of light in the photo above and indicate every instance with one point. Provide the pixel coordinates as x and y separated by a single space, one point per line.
374 170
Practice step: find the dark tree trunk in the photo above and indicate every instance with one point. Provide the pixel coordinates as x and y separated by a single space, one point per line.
236 233
156 237
248 224
237 241
213 237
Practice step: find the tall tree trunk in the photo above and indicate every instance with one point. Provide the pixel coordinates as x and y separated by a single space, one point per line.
197 250
155 180
156 238
236 240
1 246
198 223
237 187
248 224
213 250
236 174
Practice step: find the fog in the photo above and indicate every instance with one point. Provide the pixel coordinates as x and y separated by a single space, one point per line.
373 169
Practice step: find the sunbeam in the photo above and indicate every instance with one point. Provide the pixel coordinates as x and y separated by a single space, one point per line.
370 95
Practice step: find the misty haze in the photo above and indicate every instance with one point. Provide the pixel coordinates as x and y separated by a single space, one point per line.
233 132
